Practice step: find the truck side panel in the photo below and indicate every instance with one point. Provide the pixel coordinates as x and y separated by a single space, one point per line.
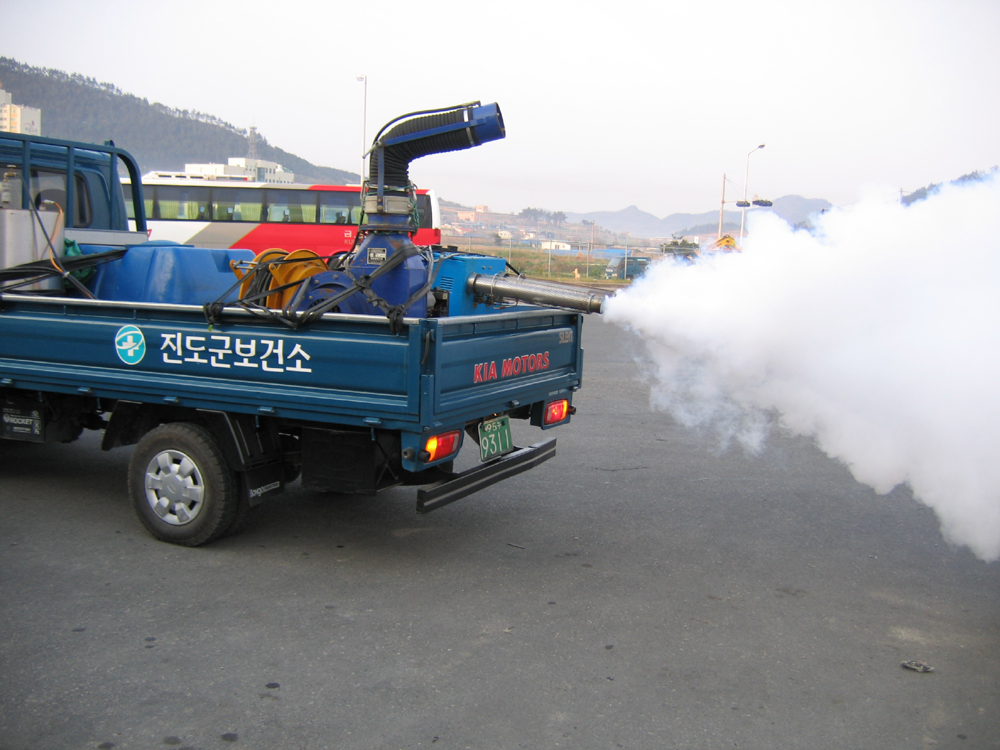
349 370
331 372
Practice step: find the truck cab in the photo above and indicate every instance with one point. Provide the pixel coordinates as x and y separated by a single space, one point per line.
636 267
55 191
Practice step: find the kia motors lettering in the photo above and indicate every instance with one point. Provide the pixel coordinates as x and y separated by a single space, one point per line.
509 367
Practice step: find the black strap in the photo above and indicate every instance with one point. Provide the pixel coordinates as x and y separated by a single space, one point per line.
259 289
29 273
395 313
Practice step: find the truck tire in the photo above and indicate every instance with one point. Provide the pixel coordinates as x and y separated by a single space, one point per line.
241 517
181 487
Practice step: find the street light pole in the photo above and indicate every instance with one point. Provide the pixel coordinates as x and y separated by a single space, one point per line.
364 125
590 247
722 207
746 179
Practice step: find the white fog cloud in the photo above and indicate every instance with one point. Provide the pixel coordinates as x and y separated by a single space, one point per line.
878 336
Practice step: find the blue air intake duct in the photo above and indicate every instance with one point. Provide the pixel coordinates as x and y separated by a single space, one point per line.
430 132
388 191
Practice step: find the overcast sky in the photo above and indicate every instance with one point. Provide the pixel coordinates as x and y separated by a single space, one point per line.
606 105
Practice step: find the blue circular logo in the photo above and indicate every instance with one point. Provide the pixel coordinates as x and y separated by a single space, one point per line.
130 345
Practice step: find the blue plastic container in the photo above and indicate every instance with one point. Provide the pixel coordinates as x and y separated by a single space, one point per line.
166 274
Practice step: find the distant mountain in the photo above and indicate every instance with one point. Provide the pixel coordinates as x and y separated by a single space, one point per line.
631 219
791 208
159 137
795 209
922 193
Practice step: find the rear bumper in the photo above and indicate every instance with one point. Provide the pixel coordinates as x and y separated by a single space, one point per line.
455 488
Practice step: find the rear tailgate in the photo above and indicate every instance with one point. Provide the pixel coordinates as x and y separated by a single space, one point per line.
488 365
491 364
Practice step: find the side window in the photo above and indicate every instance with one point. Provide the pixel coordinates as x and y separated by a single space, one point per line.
181 203
236 204
83 215
50 185
337 207
294 206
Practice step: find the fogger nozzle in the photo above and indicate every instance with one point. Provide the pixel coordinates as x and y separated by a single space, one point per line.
544 293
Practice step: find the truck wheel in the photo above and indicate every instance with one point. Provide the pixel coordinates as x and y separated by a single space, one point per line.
241 517
181 487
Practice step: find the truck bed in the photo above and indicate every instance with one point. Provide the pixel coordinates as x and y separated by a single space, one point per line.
342 369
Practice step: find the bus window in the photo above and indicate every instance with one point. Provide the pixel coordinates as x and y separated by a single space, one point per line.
236 204
181 203
337 207
295 206
147 199
425 219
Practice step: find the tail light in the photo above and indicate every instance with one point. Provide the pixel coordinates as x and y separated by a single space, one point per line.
556 411
441 446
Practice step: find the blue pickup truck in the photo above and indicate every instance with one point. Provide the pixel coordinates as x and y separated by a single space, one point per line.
363 373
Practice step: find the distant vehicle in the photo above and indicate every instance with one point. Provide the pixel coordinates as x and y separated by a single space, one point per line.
689 252
681 249
260 216
725 244
636 267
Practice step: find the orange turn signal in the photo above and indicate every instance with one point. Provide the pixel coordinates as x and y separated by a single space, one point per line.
556 411
441 446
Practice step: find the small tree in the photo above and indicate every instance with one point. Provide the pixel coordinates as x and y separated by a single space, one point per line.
531 214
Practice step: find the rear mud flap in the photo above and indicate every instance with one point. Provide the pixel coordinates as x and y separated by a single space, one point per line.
458 486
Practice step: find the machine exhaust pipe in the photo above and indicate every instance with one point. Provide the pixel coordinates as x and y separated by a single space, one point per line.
532 291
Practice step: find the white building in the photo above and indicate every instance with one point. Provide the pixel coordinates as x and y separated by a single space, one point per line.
16 118
555 245
237 170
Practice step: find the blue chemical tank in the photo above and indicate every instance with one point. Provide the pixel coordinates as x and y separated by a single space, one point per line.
165 273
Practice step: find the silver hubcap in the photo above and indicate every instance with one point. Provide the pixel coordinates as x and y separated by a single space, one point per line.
174 488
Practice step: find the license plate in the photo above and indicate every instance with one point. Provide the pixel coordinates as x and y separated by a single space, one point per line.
494 438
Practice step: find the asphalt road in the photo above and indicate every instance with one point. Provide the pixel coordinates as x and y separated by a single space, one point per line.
641 590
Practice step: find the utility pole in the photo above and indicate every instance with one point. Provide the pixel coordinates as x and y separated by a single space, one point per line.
722 207
590 246
746 180
364 125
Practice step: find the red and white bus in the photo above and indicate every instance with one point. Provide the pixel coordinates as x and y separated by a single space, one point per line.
263 215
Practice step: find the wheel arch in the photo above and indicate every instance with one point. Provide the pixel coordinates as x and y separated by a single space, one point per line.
246 441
